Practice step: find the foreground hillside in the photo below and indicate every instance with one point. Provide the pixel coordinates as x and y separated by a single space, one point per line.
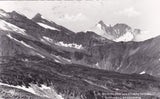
72 81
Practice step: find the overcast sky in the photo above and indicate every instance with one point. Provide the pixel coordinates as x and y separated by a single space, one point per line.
83 14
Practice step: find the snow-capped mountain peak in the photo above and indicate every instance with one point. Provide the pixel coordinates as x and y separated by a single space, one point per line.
120 32
103 30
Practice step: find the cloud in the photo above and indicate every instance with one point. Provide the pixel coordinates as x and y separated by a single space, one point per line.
129 12
77 17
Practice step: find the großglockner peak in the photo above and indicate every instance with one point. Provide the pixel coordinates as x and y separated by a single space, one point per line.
120 32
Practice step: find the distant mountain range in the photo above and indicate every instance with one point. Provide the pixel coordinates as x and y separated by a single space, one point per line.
44 60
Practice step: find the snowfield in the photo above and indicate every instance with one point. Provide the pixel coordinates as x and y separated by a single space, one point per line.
125 38
72 45
47 39
10 27
47 26
43 91
143 72
20 87
22 42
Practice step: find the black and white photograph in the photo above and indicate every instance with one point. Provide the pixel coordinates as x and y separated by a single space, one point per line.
80 49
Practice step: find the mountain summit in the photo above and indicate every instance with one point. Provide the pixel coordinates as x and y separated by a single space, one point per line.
103 25
46 23
111 32
120 32
37 17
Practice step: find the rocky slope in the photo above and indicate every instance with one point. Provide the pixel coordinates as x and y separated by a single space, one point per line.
24 36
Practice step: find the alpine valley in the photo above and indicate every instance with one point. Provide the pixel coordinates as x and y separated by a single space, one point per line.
40 59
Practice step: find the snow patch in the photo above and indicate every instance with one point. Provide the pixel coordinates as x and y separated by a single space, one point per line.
44 87
62 58
42 17
47 26
45 18
143 72
116 89
43 41
57 61
66 59
40 55
22 42
99 26
26 60
47 39
72 45
45 91
97 64
126 37
20 87
10 27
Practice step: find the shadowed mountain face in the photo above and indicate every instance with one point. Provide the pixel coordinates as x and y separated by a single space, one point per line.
42 59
